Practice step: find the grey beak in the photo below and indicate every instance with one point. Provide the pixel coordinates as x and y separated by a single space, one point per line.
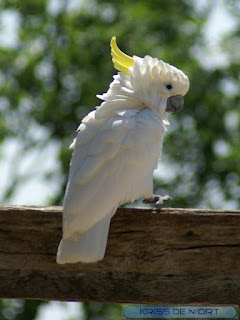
174 103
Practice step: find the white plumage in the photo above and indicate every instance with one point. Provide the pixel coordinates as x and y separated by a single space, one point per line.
115 153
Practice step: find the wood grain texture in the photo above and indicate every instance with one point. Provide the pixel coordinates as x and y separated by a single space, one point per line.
153 256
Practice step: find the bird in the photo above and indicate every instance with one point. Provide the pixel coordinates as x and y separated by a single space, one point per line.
116 150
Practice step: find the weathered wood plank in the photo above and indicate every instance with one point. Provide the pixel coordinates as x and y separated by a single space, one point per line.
165 256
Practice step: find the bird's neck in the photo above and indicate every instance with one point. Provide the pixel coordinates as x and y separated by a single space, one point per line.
122 96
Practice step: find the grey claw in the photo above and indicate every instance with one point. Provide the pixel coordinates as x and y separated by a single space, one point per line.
157 200
161 200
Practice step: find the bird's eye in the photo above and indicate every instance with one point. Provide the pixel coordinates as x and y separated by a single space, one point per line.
169 86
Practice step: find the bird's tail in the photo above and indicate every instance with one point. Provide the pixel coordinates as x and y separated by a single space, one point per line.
90 247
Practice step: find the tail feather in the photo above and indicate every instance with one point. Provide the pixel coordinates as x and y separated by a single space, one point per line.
90 247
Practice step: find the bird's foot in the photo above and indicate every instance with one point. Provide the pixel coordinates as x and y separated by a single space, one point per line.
157 200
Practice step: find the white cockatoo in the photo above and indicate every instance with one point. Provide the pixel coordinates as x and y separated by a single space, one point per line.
116 151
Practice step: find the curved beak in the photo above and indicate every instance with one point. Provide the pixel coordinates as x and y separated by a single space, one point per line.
174 103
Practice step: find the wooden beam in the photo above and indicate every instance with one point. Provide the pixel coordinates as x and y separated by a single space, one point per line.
167 256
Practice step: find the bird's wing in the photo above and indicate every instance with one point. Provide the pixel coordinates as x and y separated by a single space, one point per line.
112 163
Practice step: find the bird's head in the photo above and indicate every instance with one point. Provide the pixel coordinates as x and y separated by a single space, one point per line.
158 84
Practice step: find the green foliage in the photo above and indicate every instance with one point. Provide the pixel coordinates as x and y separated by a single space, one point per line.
19 309
62 60
50 77
102 311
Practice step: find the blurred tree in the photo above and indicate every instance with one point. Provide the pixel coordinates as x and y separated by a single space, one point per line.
19 309
60 60
102 311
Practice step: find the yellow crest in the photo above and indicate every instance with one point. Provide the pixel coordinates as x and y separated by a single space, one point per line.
121 61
